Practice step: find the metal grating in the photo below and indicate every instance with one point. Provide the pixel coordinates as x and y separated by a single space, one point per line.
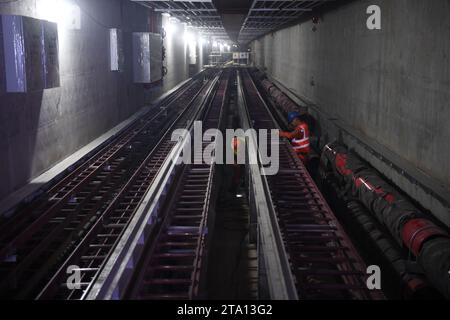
268 15
200 14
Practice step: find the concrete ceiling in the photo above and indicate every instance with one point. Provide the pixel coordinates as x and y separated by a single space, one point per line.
233 14
201 14
240 21
265 16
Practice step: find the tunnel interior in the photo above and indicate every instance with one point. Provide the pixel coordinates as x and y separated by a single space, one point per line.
224 150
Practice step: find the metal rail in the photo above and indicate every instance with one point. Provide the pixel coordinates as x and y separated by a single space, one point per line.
93 251
323 262
27 213
78 204
273 264
173 265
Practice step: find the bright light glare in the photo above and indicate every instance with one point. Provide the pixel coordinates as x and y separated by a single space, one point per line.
215 44
171 26
189 37
191 42
63 12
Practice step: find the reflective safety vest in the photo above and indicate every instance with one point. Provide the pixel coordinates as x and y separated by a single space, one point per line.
302 145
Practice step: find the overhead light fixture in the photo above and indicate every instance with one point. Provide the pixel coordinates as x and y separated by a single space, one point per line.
189 37
171 25
191 42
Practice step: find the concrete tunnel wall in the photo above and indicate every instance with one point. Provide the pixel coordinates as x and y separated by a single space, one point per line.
177 53
40 129
393 84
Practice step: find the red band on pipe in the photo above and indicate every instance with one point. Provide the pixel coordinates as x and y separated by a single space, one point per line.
341 164
417 231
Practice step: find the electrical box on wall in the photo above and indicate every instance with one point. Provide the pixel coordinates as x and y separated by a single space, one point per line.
241 58
147 57
34 57
243 55
156 65
13 54
116 50
30 54
51 55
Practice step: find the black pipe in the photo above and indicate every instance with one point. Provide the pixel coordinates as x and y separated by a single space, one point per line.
408 225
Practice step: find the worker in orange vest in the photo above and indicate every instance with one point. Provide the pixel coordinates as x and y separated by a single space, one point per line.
299 137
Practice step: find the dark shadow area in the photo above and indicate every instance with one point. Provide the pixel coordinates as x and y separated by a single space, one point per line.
20 199
19 123
232 269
